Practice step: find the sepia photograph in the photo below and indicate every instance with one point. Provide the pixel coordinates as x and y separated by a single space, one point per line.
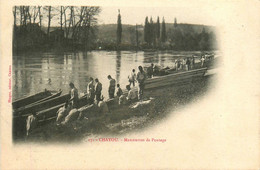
78 73
125 84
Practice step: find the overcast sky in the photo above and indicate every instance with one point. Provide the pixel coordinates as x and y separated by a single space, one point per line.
136 15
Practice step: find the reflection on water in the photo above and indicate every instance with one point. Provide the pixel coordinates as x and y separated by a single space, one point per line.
38 71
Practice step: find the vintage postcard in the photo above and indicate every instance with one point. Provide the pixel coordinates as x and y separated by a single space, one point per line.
130 84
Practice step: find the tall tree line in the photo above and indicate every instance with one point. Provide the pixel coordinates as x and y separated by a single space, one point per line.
153 34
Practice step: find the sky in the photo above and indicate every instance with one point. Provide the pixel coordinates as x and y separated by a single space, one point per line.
132 15
136 15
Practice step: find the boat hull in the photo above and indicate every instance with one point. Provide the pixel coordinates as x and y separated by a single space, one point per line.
38 106
30 99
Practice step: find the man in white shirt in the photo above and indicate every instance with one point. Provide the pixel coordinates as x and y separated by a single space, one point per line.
73 95
131 94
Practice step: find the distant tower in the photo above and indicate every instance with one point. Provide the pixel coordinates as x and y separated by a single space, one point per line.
175 22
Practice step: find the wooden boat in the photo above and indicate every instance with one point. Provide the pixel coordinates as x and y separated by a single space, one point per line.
47 112
48 98
30 99
41 105
175 78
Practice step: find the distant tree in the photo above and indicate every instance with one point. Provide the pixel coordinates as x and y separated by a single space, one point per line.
163 36
176 38
61 14
204 40
132 35
158 28
146 30
14 13
137 36
119 28
175 22
152 34
203 44
212 41
40 16
49 19
70 21
89 25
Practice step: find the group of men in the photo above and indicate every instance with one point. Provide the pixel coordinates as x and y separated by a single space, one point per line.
94 92
189 62
94 88
186 63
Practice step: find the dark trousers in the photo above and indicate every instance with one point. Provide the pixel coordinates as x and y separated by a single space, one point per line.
131 82
74 103
140 91
111 92
98 96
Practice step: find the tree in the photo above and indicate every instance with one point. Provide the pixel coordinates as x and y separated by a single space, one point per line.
175 22
151 32
61 13
158 28
163 36
137 36
71 21
132 35
146 30
14 13
119 28
84 29
49 20
40 16
204 40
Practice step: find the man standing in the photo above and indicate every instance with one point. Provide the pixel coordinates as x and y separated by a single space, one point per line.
73 95
188 64
141 76
91 90
98 89
132 78
192 62
202 61
112 86
150 71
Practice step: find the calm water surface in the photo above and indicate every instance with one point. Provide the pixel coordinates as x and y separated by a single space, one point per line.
35 72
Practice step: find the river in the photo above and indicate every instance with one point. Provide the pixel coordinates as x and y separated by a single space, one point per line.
34 72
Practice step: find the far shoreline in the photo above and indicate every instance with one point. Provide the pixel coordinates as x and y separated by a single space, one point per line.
21 52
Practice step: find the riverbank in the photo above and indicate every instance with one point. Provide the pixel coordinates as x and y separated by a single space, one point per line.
61 48
124 120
